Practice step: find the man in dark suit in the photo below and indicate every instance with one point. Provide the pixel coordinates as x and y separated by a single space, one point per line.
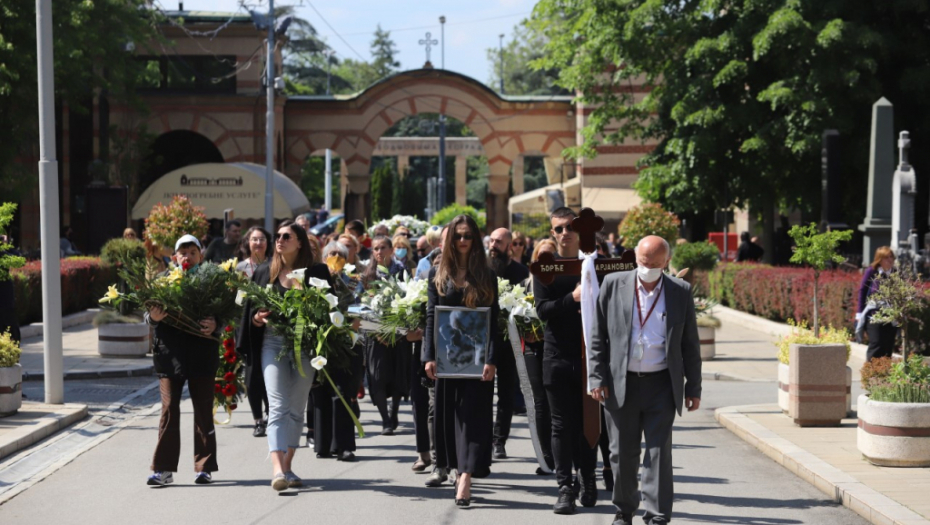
645 364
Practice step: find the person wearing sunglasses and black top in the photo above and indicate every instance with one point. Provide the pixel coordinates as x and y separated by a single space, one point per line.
558 304
464 407
287 389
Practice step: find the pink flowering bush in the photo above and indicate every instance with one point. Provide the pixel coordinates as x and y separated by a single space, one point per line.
165 224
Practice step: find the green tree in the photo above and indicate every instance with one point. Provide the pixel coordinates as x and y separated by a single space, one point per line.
383 50
382 181
308 59
520 78
92 42
313 180
817 250
738 93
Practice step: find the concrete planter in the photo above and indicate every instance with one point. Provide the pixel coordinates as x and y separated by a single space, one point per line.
784 378
894 434
11 389
707 334
123 340
817 384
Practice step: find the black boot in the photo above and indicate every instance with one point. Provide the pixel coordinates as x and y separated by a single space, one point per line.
608 479
588 488
566 503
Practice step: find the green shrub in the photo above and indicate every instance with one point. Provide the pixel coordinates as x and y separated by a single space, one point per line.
7 261
114 317
695 255
801 335
908 382
83 281
649 219
117 251
445 215
9 350
166 224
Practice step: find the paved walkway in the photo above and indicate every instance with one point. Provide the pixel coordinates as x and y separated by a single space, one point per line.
81 360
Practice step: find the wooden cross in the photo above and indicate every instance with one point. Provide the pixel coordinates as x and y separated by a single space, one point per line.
547 268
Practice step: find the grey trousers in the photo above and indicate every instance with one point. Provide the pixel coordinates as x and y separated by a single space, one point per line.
649 408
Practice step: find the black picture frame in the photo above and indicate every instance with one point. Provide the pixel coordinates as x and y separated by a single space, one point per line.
462 337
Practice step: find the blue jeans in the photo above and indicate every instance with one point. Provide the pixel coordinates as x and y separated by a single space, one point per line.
287 395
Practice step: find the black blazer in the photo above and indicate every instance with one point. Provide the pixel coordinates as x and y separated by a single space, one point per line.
251 337
457 298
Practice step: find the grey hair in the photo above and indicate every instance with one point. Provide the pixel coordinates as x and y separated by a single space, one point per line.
668 248
335 246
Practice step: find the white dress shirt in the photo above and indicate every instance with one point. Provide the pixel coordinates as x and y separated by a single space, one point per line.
652 334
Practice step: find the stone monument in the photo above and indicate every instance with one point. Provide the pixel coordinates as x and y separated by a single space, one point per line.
877 224
903 197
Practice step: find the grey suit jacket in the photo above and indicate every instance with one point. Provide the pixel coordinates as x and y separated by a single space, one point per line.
613 331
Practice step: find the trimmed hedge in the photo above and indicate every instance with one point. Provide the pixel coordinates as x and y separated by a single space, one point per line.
781 293
83 282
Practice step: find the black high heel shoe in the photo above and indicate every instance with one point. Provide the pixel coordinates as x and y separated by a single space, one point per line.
459 502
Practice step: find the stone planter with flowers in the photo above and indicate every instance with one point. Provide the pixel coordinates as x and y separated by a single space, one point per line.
11 376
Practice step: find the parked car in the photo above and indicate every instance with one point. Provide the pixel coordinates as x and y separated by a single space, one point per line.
332 224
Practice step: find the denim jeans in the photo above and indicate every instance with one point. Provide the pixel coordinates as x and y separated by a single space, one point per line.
287 395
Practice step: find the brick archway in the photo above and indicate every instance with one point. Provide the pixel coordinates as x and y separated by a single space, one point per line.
352 126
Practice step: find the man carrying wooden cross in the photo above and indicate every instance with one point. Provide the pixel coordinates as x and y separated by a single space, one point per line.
558 305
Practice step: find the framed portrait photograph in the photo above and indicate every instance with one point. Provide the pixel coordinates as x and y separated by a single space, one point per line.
461 336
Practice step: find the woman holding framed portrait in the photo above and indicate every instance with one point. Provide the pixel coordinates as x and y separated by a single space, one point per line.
460 351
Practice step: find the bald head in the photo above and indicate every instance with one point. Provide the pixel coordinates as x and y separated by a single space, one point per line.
653 251
500 243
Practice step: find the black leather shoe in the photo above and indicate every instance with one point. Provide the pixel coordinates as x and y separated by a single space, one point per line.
623 519
346 455
608 479
499 451
588 489
387 431
324 455
566 502
259 430
464 502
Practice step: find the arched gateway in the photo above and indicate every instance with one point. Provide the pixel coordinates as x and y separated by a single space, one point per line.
506 127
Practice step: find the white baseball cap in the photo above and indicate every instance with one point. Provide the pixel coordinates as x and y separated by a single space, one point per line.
187 239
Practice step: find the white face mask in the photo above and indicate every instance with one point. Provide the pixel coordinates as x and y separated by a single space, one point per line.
648 275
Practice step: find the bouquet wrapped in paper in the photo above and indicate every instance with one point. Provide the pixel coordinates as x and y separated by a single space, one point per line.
187 294
406 311
515 302
376 303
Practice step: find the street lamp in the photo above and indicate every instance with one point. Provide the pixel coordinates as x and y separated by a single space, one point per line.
442 33
502 61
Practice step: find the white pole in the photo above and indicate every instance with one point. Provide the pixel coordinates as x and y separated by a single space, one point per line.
48 205
328 181
269 124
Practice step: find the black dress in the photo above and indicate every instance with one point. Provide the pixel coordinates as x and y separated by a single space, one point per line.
464 407
386 366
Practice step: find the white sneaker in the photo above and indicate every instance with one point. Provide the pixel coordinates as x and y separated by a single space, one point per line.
203 478
160 479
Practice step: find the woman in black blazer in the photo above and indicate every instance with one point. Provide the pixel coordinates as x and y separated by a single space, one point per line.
287 389
464 415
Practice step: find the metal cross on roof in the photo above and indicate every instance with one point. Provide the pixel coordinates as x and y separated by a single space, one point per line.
429 42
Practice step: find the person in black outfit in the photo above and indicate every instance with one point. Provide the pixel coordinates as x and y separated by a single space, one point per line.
748 251
181 357
386 364
533 358
464 407
881 335
514 273
558 305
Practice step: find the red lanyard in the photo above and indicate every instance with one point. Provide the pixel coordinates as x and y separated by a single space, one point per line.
639 309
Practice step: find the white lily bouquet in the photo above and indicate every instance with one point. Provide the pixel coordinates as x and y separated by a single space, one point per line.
513 300
309 319
378 300
407 310
416 226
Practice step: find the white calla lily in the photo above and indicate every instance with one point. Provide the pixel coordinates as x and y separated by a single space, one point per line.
318 283
318 362
331 299
240 297
297 275
337 318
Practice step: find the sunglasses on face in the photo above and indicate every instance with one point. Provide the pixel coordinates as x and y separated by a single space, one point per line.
560 229
282 236
517 244
463 237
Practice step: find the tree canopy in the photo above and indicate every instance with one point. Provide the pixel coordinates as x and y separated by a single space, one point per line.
520 78
738 93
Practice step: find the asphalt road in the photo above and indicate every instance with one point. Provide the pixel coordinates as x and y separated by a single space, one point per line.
718 479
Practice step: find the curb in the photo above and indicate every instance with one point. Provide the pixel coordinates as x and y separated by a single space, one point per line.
773 328
67 321
720 376
98 374
843 488
44 427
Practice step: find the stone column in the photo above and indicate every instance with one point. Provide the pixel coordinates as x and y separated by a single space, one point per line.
877 224
403 162
517 174
497 198
461 180
357 200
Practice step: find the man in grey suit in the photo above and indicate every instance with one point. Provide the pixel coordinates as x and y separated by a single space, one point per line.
645 364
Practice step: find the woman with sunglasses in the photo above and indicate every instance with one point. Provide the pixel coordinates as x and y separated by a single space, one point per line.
287 389
464 415
518 249
386 364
